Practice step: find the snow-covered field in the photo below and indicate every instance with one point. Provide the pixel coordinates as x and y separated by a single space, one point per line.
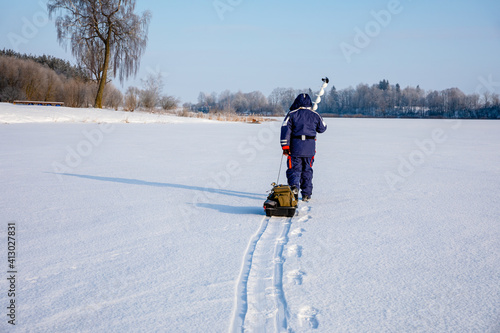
159 227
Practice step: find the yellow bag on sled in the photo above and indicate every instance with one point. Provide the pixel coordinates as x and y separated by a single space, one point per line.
281 201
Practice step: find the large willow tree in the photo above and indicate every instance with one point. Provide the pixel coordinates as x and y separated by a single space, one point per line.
104 35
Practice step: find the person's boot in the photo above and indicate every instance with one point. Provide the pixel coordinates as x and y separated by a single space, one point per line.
295 192
306 198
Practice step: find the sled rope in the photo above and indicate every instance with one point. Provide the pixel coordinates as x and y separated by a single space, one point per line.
279 172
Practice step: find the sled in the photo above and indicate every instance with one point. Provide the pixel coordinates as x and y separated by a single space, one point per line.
281 201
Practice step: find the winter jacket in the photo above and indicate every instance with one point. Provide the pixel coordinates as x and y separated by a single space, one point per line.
298 132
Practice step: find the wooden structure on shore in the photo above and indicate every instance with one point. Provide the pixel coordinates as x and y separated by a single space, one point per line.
39 103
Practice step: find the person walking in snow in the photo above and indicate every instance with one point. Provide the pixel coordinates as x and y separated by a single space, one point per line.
298 141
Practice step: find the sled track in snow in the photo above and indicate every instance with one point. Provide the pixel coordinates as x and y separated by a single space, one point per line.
260 304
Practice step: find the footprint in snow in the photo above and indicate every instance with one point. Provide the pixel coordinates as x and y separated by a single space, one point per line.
305 209
307 317
294 251
295 277
304 219
297 232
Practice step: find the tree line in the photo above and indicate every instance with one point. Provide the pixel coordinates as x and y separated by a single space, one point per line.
46 78
49 79
379 100
59 66
386 100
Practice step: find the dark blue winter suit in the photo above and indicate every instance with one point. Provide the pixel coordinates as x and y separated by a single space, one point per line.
298 136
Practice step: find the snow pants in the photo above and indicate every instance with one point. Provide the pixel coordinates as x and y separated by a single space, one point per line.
300 173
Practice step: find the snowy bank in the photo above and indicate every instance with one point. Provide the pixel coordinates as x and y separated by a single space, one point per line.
15 114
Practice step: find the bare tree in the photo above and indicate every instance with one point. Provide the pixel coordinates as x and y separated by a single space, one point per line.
131 99
225 100
150 95
257 102
93 60
113 97
282 98
240 102
103 34
169 102
495 99
487 99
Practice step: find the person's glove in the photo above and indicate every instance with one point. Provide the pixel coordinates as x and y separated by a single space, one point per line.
286 150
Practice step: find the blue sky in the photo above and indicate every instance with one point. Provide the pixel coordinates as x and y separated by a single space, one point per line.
260 45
